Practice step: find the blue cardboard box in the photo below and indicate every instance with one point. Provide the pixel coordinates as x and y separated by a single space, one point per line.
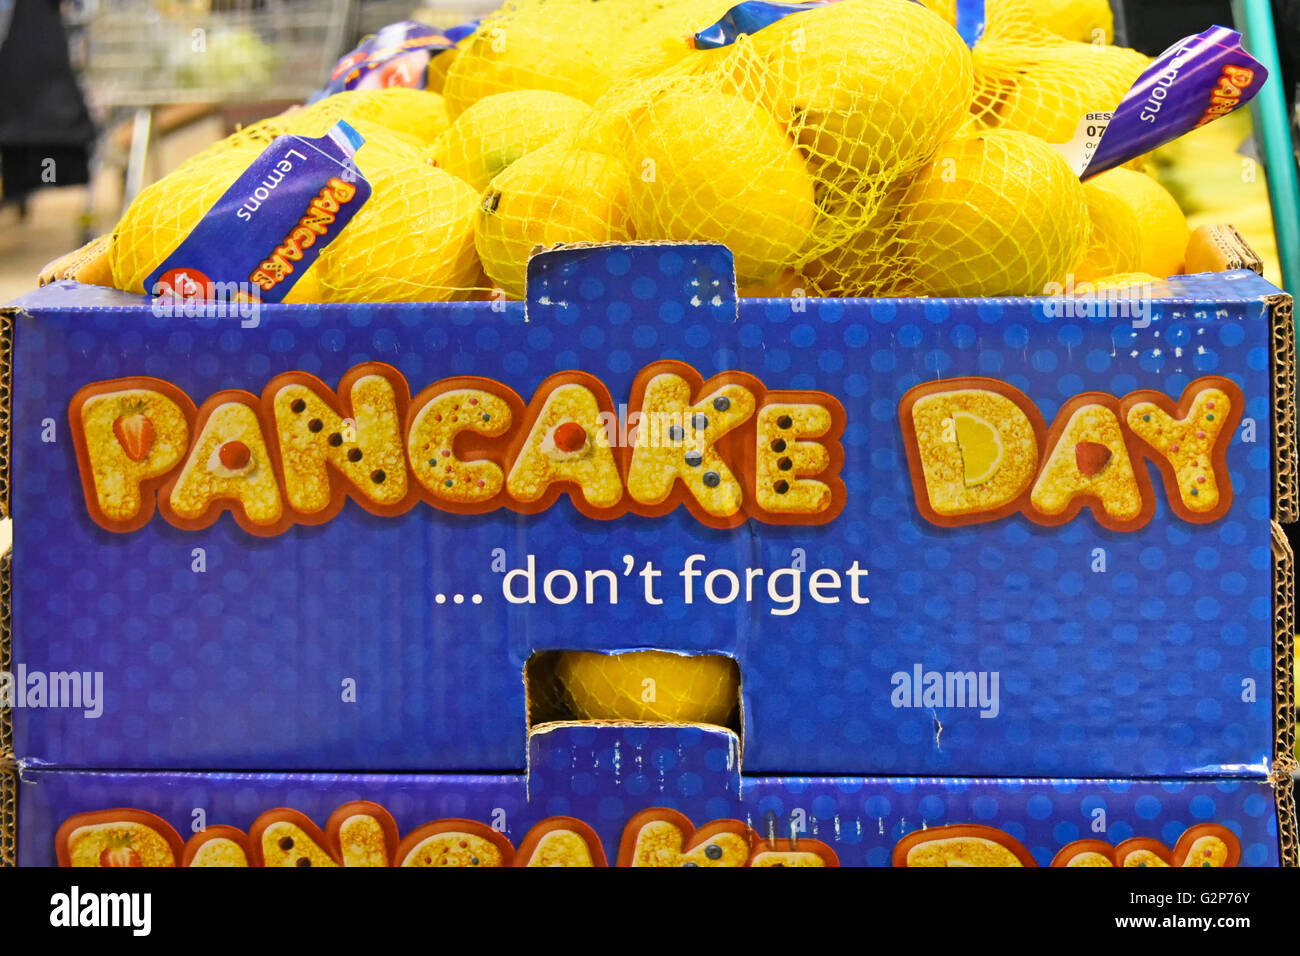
903 603
613 787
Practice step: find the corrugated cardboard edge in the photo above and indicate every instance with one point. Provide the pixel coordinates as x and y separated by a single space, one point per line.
1287 493
6 401
1285 787
1284 763
6 655
1216 248
6 634
8 815
8 766
89 265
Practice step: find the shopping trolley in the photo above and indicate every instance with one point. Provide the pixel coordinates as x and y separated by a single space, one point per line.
139 55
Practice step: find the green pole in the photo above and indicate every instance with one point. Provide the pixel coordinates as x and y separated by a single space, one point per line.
1254 18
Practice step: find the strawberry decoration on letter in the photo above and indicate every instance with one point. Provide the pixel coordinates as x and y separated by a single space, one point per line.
1091 457
121 853
134 430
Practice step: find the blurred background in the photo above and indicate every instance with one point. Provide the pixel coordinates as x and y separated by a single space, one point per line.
100 97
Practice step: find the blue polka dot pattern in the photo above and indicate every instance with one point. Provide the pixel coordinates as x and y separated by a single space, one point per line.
606 775
1138 669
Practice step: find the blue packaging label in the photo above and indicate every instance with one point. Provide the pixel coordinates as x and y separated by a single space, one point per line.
397 55
1194 82
753 15
971 20
748 17
270 226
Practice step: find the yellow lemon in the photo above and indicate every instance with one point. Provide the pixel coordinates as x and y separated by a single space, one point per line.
1161 224
498 129
981 448
710 166
1115 237
575 47
649 686
553 195
412 240
847 74
998 213
562 46
415 113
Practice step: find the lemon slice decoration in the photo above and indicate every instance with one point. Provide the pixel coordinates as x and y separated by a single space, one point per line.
980 446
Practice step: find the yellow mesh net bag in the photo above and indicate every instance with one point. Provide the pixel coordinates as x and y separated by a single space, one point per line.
500 128
574 47
1033 80
411 241
1085 21
851 148
995 213
418 114
557 194
780 145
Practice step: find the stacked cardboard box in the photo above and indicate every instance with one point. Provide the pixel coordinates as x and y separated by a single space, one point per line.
1081 653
